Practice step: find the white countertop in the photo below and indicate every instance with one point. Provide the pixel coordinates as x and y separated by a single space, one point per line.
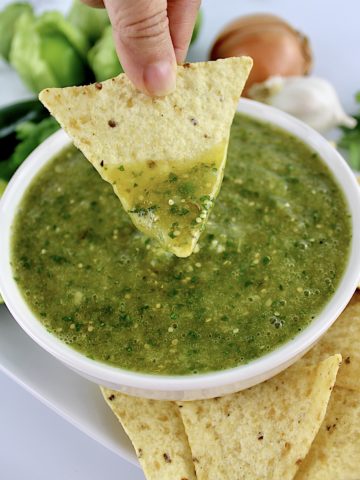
35 443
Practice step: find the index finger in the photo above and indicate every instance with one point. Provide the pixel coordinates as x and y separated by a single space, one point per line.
182 17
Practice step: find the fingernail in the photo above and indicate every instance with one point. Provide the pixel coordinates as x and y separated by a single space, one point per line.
160 78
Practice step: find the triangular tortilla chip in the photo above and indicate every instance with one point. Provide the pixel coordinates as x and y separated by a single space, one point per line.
335 453
157 433
263 432
165 156
343 337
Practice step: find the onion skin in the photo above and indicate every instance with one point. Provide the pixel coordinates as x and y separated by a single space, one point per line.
275 47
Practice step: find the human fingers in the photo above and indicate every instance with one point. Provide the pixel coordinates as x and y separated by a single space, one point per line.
143 43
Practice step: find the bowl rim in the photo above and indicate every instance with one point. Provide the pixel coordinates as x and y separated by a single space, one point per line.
284 355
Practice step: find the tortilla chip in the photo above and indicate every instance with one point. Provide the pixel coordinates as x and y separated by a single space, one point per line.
263 432
343 337
165 156
157 433
335 453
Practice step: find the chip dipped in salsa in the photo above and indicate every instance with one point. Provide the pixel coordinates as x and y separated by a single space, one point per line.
270 258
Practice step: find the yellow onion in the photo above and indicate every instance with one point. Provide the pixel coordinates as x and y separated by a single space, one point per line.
274 45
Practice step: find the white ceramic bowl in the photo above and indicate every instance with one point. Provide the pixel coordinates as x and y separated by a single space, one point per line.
191 386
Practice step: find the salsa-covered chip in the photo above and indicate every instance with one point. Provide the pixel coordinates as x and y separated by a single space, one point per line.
164 156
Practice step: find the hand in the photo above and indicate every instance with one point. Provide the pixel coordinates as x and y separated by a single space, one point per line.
151 36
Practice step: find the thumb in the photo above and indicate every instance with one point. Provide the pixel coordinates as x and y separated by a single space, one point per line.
143 43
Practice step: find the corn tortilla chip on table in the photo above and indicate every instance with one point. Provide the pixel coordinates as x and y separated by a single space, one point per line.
335 453
342 337
165 156
295 425
262 432
157 433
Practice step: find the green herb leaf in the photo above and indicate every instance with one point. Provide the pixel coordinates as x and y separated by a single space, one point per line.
350 141
179 210
30 135
172 177
354 154
143 211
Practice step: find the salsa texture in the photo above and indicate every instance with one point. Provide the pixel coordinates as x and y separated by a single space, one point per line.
273 252
171 201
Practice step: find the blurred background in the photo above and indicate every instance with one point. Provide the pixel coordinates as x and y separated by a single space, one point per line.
331 26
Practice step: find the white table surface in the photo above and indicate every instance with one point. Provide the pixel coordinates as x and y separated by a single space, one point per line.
35 443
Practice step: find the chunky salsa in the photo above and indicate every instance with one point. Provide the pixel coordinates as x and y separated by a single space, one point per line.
270 258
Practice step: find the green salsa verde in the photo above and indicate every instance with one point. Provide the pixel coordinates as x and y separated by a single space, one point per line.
272 254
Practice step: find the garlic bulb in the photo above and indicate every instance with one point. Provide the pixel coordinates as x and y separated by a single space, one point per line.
313 100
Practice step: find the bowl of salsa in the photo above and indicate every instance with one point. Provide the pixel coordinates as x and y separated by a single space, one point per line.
274 268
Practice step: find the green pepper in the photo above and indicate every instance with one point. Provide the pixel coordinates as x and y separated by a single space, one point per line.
48 51
91 21
197 27
8 18
103 58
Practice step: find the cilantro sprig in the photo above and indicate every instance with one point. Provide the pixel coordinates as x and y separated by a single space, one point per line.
350 140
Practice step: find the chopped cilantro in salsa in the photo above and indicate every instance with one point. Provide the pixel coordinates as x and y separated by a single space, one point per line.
269 260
